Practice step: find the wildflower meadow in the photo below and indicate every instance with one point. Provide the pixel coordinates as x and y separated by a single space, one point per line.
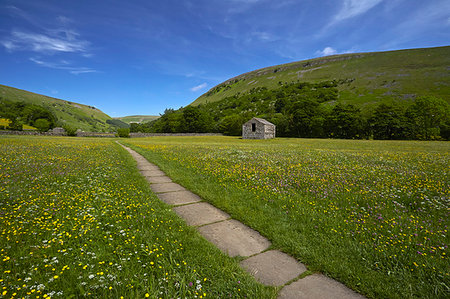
78 220
372 214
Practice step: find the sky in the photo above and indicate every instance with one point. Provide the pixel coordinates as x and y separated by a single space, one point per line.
139 57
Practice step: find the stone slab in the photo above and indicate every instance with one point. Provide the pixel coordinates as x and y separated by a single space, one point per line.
152 173
166 187
200 213
234 238
147 166
318 286
273 267
179 197
158 179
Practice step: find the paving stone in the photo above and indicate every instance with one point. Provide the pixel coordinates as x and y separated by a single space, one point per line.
200 213
152 173
273 267
147 166
158 179
234 238
179 197
166 187
318 286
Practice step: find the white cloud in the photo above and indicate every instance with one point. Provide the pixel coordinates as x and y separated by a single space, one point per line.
326 52
354 8
198 87
44 44
64 65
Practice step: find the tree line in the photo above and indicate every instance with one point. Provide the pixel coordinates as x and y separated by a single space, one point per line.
310 110
21 113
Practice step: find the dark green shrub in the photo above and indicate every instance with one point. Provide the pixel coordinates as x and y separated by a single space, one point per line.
123 132
70 131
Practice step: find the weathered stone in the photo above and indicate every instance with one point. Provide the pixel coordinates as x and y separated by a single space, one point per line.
152 173
273 267
158 179
179 197
200 213
147 166
234 238
166 187
317 286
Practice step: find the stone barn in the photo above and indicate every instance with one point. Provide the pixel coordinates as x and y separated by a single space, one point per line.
258 128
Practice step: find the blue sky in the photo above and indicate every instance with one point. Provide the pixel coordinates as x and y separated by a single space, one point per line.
142 56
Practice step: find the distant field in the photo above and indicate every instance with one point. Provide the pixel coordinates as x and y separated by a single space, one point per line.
137 118
78 220
372 214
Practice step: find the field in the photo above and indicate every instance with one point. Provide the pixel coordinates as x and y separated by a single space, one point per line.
371 214
78 220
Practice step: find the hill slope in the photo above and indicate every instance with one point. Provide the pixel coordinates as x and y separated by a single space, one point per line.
81 116
368 78
137 118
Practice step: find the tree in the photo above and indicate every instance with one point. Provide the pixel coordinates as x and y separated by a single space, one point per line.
345 121
123 132
231 125
307 118
42 124
388 122
426 117
195 120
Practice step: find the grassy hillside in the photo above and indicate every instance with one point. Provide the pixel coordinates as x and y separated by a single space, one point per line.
137 118
81 116
366 78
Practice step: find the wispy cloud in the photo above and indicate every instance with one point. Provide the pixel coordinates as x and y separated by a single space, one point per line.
199 87
353 8
43 44
326 51
64 65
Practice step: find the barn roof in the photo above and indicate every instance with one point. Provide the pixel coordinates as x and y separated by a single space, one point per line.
261 120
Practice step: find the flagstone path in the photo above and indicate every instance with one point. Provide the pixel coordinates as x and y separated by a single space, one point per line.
269 267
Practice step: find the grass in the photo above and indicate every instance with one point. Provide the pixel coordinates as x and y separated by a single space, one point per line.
371 214
382 76
137 118
78 220
77 115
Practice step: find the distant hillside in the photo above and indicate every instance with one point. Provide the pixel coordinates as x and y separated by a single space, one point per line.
365 78
137 118
86 118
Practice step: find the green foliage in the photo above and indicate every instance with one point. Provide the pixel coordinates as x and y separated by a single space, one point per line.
195 119
389 122
345 122
42 124
123 132
427 115
20 113
70 131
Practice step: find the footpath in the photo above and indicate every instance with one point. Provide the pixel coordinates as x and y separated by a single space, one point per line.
269 267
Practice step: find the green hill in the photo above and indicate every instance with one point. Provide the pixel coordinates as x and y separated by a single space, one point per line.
84 117
364 79
137 118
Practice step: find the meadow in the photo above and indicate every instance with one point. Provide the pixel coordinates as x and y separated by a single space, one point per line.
77 219
371 214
